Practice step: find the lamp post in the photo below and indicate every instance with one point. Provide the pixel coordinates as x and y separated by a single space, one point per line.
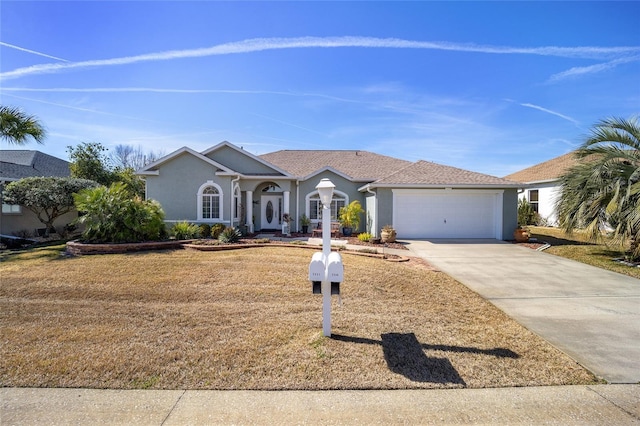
325 191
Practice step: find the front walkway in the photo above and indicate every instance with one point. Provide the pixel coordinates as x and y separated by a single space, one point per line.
591 314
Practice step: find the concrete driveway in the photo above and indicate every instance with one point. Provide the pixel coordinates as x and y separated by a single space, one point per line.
591 314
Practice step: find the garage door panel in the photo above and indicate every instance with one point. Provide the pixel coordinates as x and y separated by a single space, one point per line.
428 215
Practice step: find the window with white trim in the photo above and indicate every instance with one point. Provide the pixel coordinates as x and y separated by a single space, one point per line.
210 202
533 199
314 206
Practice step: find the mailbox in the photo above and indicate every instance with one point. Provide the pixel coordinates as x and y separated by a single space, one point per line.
317 267
335 271
316 272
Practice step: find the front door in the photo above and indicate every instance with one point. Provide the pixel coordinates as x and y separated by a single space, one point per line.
270 211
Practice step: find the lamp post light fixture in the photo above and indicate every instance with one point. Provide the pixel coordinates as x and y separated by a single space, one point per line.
325 191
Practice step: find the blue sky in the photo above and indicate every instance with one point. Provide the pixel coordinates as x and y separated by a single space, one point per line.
486 86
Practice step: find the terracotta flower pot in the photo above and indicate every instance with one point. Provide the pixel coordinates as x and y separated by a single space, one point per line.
521 235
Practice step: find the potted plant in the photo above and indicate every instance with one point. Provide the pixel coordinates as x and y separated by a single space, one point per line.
286 229
521 234
305 222
388 234
350 217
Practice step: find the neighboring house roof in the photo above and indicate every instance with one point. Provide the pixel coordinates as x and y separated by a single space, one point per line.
358 165
18 164
424 173
547 171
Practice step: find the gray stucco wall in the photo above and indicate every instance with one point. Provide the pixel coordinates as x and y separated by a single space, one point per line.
176 187
385 207
509 213
238 162
28 221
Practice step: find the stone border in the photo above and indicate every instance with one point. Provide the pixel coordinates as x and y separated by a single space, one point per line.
76 248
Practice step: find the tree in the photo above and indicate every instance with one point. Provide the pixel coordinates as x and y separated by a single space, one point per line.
126 156
47 197
603 190
113 215
16 127
88 161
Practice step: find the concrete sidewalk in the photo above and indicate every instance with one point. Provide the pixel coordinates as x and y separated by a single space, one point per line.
562 405
591 314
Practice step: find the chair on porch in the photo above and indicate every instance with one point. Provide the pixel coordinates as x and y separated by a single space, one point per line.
335 230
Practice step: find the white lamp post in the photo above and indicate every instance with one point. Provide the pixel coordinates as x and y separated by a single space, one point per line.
325 191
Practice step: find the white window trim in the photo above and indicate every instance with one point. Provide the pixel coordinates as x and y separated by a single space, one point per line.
11 209
221 198
237 202
314 194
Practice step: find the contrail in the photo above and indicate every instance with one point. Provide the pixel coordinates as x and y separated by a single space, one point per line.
31 51
262 44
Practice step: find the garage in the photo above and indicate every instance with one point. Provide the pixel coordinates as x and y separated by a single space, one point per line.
424 213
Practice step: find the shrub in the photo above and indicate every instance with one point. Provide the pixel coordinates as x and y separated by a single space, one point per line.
230 235
113 215
205 230
185 231
216 230
365 237
526 214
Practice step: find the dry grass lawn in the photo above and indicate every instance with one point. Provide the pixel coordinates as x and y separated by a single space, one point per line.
578 247
246 319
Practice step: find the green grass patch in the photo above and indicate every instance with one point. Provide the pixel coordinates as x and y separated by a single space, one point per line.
578 247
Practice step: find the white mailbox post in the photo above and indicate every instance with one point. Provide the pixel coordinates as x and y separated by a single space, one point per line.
326 267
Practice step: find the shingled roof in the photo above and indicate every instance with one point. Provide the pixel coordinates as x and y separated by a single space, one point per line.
425 173
18 164
548 170
359 165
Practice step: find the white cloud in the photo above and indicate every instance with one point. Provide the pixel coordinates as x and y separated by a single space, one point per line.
31 51
592 69
548 111
262 44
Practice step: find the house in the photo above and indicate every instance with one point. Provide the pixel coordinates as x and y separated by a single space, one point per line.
543 184
18 164
227 184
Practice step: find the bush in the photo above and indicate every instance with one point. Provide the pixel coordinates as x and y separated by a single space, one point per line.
526 214
216 230
230 235
205 230
113 215
185 231
365 237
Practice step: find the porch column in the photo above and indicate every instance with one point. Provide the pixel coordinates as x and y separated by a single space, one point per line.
285 202
249 210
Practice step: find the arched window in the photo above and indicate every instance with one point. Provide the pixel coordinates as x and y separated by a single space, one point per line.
314 206
210 201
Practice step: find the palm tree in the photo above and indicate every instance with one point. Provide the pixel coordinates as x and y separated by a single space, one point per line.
603 190
16 127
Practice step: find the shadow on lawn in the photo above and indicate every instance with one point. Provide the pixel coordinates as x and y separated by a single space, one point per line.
405 355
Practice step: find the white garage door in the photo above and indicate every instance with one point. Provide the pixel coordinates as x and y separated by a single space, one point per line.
447 214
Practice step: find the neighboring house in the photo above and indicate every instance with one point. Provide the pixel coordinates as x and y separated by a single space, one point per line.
18 164
420 200
543 184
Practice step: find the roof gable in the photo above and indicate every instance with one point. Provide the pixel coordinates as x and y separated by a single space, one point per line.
241 161
358 165
425 174
18 164
153 168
